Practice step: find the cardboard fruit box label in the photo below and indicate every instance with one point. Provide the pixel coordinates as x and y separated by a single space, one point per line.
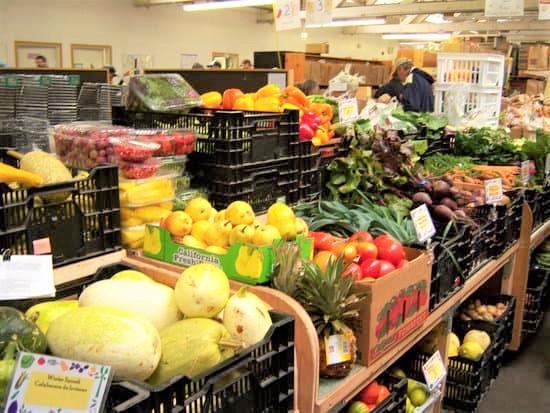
395 305
247 263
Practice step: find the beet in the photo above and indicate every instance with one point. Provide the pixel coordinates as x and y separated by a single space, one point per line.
441 189
444 212
422 198
449 203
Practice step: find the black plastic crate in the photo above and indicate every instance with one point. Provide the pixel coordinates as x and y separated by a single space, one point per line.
309 177
461 398
511 222
225 137
533 312
487 239
396 402
438 142
126 397
535 199
84 225
258 379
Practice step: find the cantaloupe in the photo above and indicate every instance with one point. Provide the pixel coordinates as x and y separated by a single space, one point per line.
110 336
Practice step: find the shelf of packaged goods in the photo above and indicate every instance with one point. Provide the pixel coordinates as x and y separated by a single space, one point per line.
540 234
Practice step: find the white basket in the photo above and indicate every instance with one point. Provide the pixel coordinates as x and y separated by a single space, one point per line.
486 70
480 103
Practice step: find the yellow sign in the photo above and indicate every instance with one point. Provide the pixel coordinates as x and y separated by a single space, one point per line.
423 223
493 190
337 349
434 370
347 110
68 391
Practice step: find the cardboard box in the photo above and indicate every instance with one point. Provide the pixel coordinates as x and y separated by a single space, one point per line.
317 48
247 263
537 57
323 74
395 305
313 70
534 87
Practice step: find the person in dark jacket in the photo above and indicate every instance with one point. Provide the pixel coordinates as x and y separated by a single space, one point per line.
418 95
393 89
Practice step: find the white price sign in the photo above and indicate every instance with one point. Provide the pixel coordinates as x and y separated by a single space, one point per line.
347 110
287 14
318 11
525 172
493 190
544 9
423 223
547 163
434 371
504 8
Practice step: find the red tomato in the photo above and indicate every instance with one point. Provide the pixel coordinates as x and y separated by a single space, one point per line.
369 394
391 250
381 238
322 241
354 270
385 267
366 250
230 96
362 236
383 394
349 252
370 268
402 263
358 407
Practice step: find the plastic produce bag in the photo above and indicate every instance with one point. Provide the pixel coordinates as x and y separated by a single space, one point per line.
344 82
380 114
454 104
161 93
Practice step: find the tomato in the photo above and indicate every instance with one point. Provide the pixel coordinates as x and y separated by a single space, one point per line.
383 394
362 236
369 394
385 267
348 252
370 268
366 250
354 270
230 96
322 259
358 407
391 250
338 247
322 241
371 407
402 263
381 238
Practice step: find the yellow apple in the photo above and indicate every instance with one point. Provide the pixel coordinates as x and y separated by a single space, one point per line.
301 227
220 215
218 233
265 235
199 229
239 212
279 212
178 223
191 241
241 233
198 209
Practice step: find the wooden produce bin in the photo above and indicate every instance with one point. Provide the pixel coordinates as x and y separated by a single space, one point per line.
395 306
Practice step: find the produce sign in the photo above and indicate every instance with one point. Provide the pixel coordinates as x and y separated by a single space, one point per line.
43 384
394 307
243 262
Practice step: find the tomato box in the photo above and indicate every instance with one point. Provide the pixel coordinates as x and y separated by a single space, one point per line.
243 262
395 305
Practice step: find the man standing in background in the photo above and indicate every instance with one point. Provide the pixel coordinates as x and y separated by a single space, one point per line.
418 95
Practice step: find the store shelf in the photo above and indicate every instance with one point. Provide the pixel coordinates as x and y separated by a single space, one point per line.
540 234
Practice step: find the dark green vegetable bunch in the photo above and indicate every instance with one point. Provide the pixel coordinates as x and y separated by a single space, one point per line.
537 151
486 145
433 123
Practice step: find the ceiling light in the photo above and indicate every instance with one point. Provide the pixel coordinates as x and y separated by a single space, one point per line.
343 23
417 36
229 4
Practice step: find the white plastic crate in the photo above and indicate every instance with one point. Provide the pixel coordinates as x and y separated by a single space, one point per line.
485 70
482 104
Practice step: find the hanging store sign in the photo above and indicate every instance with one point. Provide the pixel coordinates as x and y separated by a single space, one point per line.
504 8
318 11
287 14
544 9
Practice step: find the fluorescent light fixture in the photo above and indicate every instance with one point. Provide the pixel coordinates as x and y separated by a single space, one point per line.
344 23
417 36
229 4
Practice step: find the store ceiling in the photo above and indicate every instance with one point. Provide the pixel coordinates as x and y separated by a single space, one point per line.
461 17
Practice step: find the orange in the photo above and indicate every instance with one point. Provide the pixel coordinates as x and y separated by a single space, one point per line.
322 259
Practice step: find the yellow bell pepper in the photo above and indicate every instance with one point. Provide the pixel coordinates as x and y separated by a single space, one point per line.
211 100
268 90
322 135
245 102
291 106
268 104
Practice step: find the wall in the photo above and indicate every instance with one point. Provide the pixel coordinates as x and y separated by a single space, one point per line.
163 32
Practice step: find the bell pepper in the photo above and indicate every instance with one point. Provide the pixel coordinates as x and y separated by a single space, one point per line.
321 135
211 100
268 90
294 95
244 102
267 104
230 96
306 132
312 119
324 110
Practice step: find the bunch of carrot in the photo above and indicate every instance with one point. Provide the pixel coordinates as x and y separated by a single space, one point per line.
479 173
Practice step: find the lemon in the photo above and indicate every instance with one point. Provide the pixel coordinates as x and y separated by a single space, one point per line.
470 350
453 350
418 396
478 336
454 340
279 212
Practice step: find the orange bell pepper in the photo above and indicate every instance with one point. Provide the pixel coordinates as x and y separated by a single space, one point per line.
294 95
268 90
244 102
267 104
211 100
324 110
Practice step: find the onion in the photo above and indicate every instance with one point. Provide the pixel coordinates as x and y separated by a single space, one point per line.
202 291
246 317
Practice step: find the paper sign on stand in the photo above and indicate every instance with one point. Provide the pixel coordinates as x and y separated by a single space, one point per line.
26 276
544 9
318 11
423 223
493 190
347 110
43 384
525 172
434 371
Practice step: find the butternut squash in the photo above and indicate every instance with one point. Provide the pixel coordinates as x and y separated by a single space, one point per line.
10 174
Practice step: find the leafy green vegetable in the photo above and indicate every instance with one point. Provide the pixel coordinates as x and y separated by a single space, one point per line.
439 164
428 120
536 151
486 145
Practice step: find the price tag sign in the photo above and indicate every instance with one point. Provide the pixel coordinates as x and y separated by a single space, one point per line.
434 371
43 384
348 111
423 223
287 14
525 172
547 163
337 349
493 190
26 276
318 11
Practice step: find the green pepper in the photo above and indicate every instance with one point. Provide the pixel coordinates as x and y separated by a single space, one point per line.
7 365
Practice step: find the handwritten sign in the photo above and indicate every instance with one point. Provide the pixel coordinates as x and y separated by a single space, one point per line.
318 11
347 110
525 172
43 384
434 370
423 223
287 14
493 190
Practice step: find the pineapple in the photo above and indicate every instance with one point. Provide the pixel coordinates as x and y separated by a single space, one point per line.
288 268
328 300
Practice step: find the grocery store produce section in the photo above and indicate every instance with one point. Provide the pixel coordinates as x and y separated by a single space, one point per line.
261 252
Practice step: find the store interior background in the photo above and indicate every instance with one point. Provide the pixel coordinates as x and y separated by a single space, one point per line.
165 32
